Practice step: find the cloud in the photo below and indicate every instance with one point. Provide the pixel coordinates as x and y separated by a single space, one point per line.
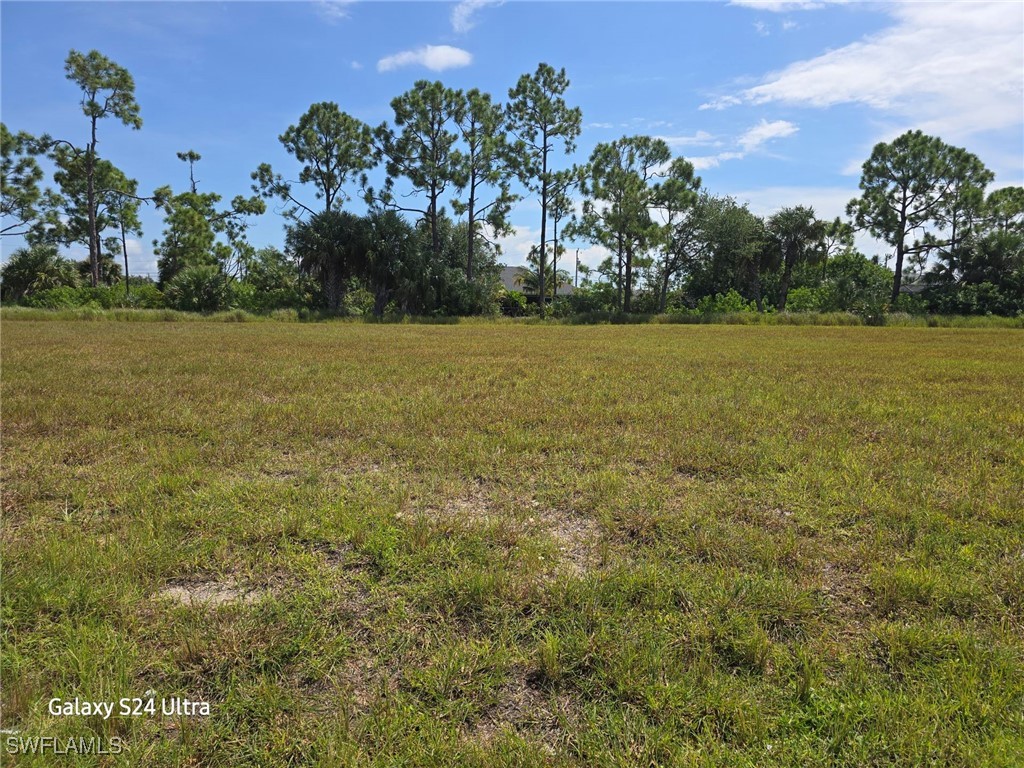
722 103
953 69
600 125
333 11
356 65
751 140
762 28
142 262
463 14
515 249
763 132
784 6
700 138
713 161
436 58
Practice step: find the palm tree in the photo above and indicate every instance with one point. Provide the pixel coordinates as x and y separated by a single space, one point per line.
330 247
34 269
530 279
796 236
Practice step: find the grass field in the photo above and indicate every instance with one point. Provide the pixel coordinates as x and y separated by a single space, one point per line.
496 545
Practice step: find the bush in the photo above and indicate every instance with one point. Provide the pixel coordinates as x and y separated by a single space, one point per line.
803 300
725 303
199 289
512 303
597 297
910 304
142 296
34 270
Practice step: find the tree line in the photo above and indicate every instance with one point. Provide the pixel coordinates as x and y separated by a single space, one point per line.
673 245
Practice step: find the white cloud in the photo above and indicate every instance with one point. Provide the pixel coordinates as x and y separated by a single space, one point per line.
516 247
784 6
713 161
954 69
436 58
600 125
763 132
788 25
721 103
700 138
141 259
463 14
356 65
749 141
333 11
762 28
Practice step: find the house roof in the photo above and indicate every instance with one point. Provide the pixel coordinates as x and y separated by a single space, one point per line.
513 279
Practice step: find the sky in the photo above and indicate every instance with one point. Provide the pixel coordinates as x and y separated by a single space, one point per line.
776 103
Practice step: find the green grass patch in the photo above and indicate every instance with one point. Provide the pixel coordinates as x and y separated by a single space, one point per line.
516 543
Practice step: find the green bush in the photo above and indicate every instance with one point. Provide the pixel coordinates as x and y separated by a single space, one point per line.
803 300
512 303
909 304
30 271
142 296
199 289
596 297
723 303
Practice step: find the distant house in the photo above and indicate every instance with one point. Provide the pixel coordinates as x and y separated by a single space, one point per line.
514 279
917 287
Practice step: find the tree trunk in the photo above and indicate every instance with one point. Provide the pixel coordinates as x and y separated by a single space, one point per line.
618 282
435 240
900 251
472 226
756 285
627 302
333 288
543 217
380 301
787 276
124 250
554 262
663 300
90 166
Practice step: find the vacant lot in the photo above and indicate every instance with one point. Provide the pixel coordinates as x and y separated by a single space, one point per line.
499 545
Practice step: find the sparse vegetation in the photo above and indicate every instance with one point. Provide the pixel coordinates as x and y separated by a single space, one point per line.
540 545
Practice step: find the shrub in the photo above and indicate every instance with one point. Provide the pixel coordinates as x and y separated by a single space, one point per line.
803 300
592 298
36 269
199 289
512 303
722 303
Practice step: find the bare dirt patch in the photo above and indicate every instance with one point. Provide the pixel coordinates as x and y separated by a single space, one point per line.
576 537
525 710
211 592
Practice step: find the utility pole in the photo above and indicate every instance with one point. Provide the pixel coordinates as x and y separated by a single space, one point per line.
576 282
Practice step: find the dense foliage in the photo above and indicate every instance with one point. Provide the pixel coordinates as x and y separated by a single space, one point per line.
674 247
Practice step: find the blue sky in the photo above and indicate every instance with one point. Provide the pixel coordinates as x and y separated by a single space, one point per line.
777 103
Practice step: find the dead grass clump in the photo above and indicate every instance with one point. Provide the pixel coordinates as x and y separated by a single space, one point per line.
212 592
